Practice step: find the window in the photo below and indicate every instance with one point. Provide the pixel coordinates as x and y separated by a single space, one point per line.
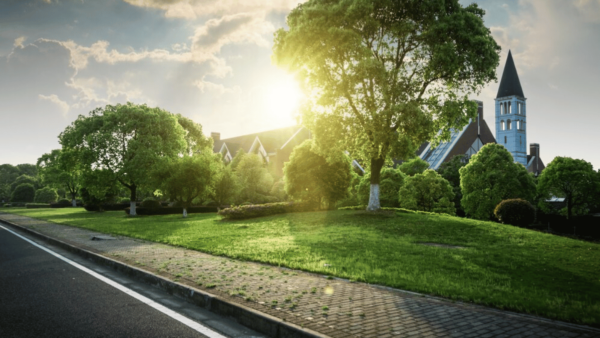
504 139
502 126
518 125
508 125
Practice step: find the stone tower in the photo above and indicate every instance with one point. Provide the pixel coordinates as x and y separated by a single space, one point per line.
511 113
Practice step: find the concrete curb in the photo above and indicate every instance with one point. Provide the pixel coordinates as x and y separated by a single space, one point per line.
252 319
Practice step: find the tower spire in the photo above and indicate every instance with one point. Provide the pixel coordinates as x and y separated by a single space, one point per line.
510 84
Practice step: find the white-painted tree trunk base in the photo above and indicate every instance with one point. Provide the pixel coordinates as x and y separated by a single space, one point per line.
184 212
74 202
132 208
374 198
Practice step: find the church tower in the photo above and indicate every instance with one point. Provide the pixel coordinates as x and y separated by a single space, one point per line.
511 113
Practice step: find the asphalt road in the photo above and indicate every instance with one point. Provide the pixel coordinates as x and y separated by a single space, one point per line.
43 296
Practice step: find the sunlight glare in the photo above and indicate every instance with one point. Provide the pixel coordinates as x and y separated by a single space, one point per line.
282 100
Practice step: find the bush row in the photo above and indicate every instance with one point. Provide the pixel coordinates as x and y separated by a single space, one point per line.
259 210
106 207
37 205
171 210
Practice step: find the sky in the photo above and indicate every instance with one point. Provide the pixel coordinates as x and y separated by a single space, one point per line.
210 60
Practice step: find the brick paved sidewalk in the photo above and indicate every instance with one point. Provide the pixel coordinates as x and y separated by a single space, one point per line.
333 307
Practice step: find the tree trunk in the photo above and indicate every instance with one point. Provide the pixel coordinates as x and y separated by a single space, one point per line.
132 200
184 212
376 165
73 200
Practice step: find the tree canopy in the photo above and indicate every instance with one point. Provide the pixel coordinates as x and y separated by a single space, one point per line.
254 178
384 76
414 166
490 177
60 169
186 178
310 177
573 179
126 140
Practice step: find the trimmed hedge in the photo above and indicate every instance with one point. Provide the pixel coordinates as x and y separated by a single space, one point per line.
37 205
171 210
107 207
516 211
259 210
65 203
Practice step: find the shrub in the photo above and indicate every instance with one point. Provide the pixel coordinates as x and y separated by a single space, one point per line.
260 210
150 203
391 180
106 207
37 205
45 195
515 212
23 193
427 192
171 210
64 201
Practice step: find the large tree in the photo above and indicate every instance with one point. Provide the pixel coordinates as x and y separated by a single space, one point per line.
383 76
310 177
127 140
60 169
490 177
573 179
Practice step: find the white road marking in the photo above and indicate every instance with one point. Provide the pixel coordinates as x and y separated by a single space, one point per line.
184 320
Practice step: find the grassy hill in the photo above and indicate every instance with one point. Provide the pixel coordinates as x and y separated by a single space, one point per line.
499 265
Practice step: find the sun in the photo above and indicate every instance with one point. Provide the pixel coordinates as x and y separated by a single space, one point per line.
282 99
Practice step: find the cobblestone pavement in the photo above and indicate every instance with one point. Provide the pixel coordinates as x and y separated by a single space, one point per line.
334 307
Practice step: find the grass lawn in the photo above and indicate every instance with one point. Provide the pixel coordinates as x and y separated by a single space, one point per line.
502 266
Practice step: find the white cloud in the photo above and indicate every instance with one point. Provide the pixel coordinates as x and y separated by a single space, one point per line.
19 41
239 28
62 105
191 9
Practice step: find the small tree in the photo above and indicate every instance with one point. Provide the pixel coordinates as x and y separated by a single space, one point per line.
226 187
46 195
490 177
310 177
237 158
450 171
60 169
427 192
186 178
98 187
414 166
8 174
24 192
253 177
573 179
391 182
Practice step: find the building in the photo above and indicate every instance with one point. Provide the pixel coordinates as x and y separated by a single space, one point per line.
274 146
511 128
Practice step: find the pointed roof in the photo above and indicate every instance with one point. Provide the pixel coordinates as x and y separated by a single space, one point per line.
510 84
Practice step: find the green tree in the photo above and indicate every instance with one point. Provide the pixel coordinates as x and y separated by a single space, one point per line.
226 187
27 169
427 192
45 195
8 174
98 187
391 181
186 178
384 76
450 171
127 140
490 177
24 192
310 177
414 166
278 190
24 179
254 178
194 138
573 179
60 169
237 158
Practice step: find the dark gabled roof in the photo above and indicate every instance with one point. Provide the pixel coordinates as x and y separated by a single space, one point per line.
271 140
537 166
510 84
